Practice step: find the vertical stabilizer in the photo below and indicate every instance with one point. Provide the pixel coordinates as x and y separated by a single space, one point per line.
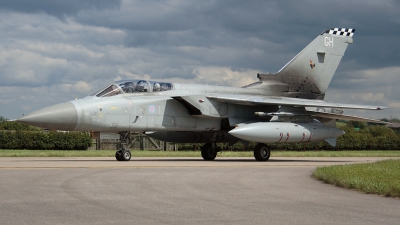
311 71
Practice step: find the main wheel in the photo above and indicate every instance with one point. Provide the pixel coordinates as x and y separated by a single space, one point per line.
208 152
262 152
125 155
118 155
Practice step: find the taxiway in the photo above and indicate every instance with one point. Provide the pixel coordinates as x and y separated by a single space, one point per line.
182 191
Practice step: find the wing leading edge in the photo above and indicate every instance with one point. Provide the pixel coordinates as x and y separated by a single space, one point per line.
283 101
344 117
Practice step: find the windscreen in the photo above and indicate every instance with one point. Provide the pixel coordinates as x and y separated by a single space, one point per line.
111 90
133 86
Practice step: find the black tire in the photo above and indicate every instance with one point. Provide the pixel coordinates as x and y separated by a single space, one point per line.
125 155
262 152
118 155
208 152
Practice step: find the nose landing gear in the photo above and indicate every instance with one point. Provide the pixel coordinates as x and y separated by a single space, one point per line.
123 154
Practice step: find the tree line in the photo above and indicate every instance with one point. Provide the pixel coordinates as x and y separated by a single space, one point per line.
15 135
358 136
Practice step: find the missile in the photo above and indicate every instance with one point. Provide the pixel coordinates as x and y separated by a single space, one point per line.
286 132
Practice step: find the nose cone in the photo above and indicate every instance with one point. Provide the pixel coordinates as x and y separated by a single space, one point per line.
56 117
245 132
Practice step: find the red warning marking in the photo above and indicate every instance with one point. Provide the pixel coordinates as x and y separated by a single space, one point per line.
288 135
304 135
281 134
310 137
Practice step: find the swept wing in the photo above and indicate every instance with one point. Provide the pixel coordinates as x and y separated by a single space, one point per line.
283 101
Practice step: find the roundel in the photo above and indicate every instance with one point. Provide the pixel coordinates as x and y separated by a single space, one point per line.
152 108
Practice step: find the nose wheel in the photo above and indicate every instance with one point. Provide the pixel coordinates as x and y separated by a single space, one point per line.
123 155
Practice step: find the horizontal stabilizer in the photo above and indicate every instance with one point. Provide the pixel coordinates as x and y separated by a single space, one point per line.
242 99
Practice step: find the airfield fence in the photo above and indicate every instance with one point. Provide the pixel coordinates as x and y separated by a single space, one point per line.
138 142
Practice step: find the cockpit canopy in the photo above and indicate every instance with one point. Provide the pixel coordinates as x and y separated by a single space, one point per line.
133 86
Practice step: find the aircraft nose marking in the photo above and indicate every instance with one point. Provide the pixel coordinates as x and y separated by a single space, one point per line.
61 116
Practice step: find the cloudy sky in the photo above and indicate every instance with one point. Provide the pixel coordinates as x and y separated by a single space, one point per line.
55 51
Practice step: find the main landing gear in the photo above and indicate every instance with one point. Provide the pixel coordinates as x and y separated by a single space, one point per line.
262 152
123 154
209 151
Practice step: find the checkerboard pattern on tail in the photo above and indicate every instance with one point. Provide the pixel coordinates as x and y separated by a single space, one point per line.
349 32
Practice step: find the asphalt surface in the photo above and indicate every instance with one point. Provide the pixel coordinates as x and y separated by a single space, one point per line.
182 191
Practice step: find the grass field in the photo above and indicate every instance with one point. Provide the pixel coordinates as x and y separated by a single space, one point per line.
381 178
137 153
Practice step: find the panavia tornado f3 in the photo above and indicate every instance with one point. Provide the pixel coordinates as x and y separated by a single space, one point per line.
271 110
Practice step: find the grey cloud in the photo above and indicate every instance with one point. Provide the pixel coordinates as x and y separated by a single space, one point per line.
99 41
144 16
177 72
59 9
289 24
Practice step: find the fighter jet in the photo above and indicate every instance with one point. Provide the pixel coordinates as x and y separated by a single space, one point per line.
275 109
